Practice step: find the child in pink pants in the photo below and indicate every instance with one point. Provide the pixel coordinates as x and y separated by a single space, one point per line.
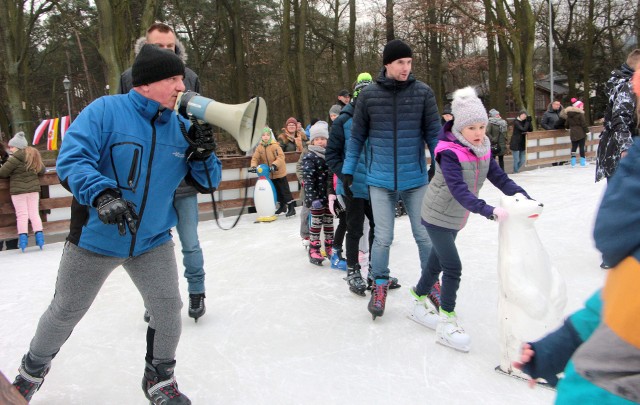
22 169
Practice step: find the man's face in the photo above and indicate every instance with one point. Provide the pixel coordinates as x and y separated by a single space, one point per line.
555 105
344 99
164 91
447 117
165 40
399 69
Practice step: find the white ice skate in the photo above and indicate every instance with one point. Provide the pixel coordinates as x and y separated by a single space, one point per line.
423 311
449 333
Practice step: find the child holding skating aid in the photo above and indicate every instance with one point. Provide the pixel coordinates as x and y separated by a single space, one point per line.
463 158
317 181
22 168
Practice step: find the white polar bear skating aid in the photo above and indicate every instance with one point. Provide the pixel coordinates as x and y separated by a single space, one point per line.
532 292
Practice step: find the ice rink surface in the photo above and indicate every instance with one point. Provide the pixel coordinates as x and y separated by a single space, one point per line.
279 330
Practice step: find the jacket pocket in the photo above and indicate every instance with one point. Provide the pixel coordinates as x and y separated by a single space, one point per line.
126 160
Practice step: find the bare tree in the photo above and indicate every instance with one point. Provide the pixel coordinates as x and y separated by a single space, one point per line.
18 20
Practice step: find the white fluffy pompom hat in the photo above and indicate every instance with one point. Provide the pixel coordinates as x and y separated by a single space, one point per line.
467 109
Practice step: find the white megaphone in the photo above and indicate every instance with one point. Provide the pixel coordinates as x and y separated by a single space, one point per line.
243 121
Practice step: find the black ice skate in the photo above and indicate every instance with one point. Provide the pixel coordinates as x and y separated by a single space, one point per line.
282 209
196 306
160 386
30 379
378 298
393 282
355 281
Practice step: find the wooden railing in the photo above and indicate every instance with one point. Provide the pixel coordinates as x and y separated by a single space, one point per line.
546 147
47 203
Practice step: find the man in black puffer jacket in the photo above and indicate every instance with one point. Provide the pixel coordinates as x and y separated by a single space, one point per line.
398 116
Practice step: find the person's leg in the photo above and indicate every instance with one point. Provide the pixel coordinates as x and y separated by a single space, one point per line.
33 204
80 276
501 161
315 227
413 205
192 257
278 184
327 228
445 260
304 222
574 146
383 204
516 160
340 231
155 275
22 212
355 223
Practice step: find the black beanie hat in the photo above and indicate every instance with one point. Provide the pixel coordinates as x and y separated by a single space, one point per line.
154 64
394 50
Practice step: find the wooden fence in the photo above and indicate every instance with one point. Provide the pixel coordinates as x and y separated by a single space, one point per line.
546 147
230 194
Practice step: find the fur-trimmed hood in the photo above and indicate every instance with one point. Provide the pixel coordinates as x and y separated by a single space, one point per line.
180 49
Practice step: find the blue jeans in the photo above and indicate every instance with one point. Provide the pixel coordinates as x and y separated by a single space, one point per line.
518 160
192 259
443 258
383 204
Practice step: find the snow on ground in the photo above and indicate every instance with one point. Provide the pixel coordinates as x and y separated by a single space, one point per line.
281 331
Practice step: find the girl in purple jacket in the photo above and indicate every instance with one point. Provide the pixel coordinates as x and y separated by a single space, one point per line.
463 158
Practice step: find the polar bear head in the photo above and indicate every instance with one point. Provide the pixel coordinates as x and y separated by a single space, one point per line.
521 209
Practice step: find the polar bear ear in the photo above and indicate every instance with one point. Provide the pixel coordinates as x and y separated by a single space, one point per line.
520 196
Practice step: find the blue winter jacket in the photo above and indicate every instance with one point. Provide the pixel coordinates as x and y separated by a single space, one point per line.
336 151
132 144
397 118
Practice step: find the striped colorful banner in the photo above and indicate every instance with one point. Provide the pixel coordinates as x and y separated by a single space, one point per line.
54 128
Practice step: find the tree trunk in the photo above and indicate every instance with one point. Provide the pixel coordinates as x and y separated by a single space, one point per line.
588 60
235 46
337 50
16 30
435 53
112 36
351 41
286 57
302 68
389 25
84 66
491 55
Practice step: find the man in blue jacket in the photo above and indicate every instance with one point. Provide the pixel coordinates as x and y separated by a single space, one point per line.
398 115
122 159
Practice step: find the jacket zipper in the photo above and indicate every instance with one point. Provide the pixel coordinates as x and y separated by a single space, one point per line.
146 183
132 171
395 138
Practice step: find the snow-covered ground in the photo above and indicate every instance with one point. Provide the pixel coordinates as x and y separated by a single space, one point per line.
279 330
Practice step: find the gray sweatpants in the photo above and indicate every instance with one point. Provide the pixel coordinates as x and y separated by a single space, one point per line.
81 275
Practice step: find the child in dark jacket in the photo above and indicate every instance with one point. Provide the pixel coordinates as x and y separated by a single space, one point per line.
317 181
463 158
23 168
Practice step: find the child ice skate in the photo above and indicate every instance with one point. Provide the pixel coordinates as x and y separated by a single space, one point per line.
317 186
23 168
463 158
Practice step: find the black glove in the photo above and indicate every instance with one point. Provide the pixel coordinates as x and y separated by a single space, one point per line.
273 168
252 169
201 141
113 209
347 181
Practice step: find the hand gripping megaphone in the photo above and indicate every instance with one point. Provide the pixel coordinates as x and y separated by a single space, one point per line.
243 121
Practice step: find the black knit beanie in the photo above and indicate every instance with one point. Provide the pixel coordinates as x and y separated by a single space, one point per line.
394 50
154 64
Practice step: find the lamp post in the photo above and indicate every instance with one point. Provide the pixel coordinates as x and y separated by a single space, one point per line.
551 81
67 85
